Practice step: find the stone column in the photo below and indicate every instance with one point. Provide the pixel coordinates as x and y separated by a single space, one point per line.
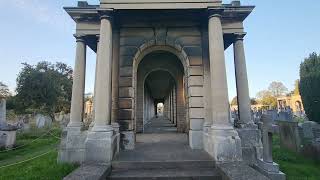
219 89
3 120
225 144
115 77
104 78
77 101
74 149
102 141
247 130
244 104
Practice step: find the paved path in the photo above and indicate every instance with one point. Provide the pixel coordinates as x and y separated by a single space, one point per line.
160 125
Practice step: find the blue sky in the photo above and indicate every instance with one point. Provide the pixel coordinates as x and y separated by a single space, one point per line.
280 35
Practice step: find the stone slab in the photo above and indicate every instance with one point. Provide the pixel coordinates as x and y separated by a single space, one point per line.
90 172
239 171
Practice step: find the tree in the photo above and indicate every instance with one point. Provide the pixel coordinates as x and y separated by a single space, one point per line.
4 91
266 98
296 90
310 86
44 88
277 89
253 101
234 101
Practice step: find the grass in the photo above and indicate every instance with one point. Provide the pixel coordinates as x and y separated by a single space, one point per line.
294 165
36 143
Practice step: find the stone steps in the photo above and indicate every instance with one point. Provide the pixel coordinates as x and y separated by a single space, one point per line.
181 170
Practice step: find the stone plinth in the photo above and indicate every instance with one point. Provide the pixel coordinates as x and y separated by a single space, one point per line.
101 146
8 138
223 144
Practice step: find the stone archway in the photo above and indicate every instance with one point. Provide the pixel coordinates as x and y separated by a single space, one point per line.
166 68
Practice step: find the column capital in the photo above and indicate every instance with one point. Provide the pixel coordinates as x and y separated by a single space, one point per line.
80 37
106 14
98 37
215 12
239 35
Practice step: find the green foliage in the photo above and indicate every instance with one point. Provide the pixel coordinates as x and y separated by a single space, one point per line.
234 101
310 86
266 98
296 90
277 89
294 165
45 88
45 167
4 90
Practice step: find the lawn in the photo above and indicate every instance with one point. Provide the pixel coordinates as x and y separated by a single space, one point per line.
294 165
35 157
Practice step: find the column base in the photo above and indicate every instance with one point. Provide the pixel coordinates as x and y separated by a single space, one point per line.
128 139
72 146
196 139
271 170
251 144
223 143
101 144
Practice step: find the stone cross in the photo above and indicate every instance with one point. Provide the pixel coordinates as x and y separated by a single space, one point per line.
2 111
266 165
267 130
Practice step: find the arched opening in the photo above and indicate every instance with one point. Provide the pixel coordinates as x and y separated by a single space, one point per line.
160 85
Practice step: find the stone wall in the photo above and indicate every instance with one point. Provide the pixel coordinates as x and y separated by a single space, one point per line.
186 41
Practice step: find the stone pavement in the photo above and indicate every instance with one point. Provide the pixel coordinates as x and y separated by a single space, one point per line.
160 125
163 156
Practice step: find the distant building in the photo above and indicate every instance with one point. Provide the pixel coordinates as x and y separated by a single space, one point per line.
292 102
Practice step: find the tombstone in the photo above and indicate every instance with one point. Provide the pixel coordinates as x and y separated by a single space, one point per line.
3 121
289 135
43 121
285 116
273 114
307 129
266 165
7 131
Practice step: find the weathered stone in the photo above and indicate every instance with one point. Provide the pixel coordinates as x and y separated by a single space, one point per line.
289 135
127 140
43 121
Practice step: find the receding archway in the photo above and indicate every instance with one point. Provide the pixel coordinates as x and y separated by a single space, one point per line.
160 79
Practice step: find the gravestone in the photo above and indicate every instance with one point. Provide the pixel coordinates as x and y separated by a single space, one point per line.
307 129
285 116
289 135
7 131
43 121
273 114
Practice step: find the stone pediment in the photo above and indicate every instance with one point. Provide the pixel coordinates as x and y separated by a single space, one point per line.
159 4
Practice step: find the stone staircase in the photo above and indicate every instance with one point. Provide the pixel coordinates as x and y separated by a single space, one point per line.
181 170
163 156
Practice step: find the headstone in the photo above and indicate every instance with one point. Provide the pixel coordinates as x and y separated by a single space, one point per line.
43 121
285 116
273 114
266 165
307 129
7 131
289 135
3 112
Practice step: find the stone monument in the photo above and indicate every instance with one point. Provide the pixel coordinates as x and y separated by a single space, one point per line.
7 131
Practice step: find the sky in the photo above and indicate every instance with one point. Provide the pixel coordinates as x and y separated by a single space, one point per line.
280 34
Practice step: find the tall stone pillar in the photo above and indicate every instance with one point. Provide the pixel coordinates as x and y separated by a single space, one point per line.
74 149
104 78
115 76
224 143
77 101
251 144
3 121
244 104
102 139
